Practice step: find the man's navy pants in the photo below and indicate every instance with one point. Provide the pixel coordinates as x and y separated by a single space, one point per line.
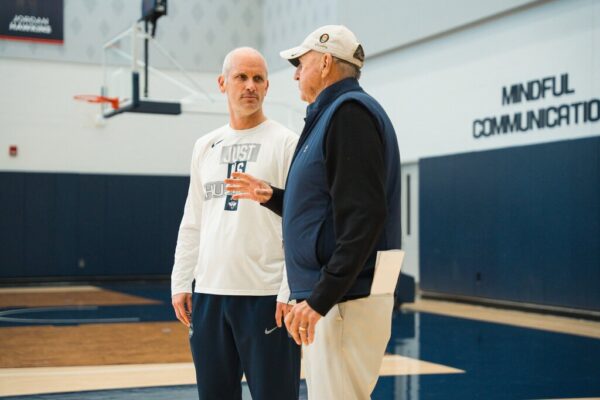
235 335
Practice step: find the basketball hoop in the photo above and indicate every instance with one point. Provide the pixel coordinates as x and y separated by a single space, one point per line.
94 98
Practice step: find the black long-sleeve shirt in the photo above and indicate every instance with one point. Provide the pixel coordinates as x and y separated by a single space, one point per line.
354 164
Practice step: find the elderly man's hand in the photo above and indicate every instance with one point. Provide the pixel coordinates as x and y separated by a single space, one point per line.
300 323
245 186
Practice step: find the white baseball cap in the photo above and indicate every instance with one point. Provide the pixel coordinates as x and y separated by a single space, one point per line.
336 40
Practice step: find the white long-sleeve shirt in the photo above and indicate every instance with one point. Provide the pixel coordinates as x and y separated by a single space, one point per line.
233 247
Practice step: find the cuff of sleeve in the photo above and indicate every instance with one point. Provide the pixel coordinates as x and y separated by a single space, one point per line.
283 298
181 289
284 294
319 305
276 200
277 196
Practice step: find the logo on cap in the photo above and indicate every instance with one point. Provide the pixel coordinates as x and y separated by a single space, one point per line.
359 54
324 37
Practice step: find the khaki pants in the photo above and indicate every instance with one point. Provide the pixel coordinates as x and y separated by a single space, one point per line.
344 360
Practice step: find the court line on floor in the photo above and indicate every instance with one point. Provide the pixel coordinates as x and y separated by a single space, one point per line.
26 381
551 323
49 289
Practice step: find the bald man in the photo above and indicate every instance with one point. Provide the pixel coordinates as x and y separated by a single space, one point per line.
240 291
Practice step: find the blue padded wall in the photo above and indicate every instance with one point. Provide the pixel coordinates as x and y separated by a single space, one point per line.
77 225
12 227
519 224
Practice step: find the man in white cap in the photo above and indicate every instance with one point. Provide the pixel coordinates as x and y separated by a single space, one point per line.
341 204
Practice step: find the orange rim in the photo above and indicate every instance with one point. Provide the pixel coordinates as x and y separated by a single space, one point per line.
94 98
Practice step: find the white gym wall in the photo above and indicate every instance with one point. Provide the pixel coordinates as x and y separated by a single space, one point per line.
435 66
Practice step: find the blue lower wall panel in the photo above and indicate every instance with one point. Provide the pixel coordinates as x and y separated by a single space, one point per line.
12 227
59 226
518 224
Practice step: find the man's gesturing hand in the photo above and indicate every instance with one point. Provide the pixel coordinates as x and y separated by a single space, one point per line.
246 186
182 304
300 323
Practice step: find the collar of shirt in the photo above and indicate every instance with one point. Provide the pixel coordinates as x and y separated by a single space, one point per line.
325 98
328 95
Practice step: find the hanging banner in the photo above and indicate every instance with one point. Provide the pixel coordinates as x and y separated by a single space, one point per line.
32 20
